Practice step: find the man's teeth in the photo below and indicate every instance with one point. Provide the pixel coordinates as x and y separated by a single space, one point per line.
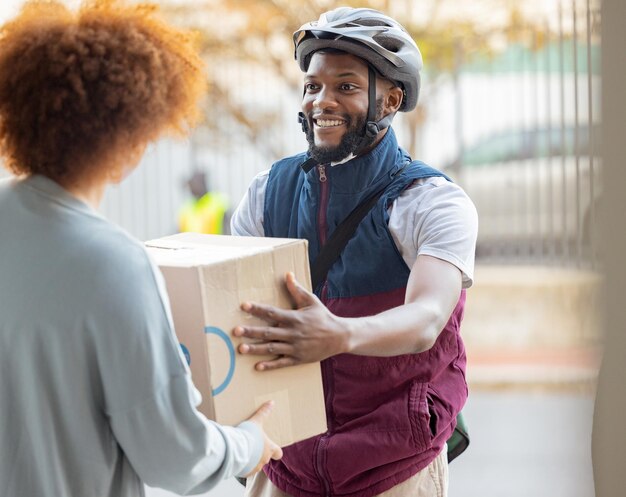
325 123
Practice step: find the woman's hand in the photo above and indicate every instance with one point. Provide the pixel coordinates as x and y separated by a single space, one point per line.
270 449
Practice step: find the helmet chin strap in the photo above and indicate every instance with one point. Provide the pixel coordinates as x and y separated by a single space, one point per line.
303 122
372 127
310 163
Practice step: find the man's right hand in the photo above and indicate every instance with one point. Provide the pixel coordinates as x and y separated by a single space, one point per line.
270 450
308 333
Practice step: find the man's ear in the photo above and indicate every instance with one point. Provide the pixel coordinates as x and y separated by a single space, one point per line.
393 99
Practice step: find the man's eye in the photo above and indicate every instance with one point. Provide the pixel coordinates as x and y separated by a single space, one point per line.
310 87
347 86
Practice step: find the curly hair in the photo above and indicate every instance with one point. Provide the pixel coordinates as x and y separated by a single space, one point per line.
81 90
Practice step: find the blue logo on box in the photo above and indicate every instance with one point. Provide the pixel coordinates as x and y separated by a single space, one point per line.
231 352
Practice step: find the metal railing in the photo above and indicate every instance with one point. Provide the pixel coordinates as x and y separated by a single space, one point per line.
537 102
535 176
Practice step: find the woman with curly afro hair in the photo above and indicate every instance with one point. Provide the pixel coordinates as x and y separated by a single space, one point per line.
96 395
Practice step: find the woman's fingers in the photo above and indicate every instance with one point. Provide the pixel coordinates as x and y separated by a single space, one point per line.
262 413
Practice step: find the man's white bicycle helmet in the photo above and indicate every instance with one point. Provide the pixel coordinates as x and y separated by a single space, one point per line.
369 35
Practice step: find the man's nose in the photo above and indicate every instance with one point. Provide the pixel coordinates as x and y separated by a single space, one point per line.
325 99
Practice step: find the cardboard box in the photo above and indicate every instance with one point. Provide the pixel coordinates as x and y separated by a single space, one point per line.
207 278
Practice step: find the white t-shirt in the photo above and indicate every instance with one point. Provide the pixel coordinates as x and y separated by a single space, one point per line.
432 217
95 395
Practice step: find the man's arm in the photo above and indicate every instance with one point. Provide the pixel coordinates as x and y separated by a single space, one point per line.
311 332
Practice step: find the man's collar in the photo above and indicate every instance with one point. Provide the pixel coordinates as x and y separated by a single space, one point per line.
343 161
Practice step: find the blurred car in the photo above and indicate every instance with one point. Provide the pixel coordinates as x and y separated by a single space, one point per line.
536 190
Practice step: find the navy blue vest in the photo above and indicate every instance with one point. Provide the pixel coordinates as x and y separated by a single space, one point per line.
388 417
292 203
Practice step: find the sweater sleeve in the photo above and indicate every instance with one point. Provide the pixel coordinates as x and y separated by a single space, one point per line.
149 397
173 446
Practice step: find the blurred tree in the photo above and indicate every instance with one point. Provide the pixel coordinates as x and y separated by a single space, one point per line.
256 35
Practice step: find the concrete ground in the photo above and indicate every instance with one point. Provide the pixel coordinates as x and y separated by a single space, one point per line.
526 443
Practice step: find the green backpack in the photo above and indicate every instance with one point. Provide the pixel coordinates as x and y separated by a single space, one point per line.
459 440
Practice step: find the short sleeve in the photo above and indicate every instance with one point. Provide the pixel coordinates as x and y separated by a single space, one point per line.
435 217
247 220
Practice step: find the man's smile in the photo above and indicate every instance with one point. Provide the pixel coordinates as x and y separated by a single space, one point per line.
321 121
328 123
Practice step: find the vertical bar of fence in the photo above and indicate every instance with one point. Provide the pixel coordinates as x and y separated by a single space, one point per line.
158 212
564 211
457 74
521 207
550 247
535 178
234 169
143 209
494 201
171 180
591 214
578 182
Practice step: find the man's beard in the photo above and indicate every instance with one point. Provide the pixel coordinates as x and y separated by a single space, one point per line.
350 141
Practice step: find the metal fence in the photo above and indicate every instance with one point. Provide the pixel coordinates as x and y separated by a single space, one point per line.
534 171
519 131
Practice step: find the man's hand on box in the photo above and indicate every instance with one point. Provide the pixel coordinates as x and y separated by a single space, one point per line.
309 333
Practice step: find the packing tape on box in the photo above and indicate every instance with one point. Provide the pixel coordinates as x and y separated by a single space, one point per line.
281 428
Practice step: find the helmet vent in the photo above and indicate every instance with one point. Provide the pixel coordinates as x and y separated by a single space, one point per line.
389 43
371 22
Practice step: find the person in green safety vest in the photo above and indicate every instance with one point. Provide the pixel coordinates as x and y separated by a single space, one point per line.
206 212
